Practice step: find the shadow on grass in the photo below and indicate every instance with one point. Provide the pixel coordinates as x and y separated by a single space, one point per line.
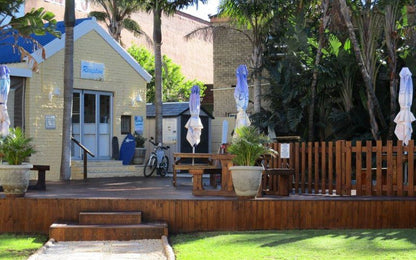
275 238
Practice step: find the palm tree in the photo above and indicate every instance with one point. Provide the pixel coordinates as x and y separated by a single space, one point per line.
391 17
322 28
158 7
367 71
116 16
69 21
252 18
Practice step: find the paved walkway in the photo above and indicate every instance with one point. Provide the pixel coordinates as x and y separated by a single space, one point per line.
149 249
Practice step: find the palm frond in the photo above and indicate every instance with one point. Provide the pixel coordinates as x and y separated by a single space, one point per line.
134 27
205 33
100 16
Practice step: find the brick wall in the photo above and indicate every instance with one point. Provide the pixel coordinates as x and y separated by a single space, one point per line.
231 48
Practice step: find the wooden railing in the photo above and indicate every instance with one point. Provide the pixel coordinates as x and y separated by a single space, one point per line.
85 156
351 168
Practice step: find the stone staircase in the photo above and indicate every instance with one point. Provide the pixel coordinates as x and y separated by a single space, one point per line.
99 226
104 169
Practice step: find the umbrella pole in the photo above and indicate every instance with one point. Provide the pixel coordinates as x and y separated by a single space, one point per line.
193 151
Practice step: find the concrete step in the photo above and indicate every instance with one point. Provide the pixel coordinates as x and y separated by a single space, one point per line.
80 163
105 169
77 232
110 218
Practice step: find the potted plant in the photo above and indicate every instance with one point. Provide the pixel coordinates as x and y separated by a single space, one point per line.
248 146
140 151
14 173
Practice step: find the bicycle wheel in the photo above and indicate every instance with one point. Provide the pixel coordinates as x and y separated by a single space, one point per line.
163 166
150 166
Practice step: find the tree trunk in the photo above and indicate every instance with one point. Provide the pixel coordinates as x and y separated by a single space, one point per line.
373 105
256 59
65 173
391 44
324 24
157 41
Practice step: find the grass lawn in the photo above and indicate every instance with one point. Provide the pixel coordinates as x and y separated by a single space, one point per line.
19 246
297 244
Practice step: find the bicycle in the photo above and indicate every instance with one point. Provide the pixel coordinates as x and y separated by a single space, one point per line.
157 160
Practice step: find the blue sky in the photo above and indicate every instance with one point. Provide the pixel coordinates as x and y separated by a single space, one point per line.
210 8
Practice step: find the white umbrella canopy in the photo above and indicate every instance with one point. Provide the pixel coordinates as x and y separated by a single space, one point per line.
194 124
241 97
405 117
4 92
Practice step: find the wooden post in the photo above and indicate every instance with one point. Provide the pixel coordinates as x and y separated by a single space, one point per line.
316 171
358 168
338 166
323 166
368 165
330 167
379 166
410 169
348 162
85 165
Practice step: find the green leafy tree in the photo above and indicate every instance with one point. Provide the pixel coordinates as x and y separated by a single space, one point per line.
116 16
33 22
175 86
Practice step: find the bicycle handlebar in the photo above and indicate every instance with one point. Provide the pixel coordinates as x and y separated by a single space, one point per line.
155 144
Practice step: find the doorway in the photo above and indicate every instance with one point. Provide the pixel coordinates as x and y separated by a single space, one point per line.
92 123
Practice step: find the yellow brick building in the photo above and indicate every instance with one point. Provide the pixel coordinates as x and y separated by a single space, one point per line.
108 85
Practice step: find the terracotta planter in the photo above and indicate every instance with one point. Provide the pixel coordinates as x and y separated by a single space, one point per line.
15 179
246 180
139 156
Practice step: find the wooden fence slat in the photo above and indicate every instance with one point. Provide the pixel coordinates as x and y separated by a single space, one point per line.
358 168
330 167
303 167
379 164
323 166
390 168
338 166
399 172
310 144
368 167
276 163
316 170
410 169
348 152
296 166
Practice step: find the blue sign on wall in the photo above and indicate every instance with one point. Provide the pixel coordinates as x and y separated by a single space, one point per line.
138 124
92 70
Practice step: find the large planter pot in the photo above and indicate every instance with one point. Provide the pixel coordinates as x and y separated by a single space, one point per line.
246 180
15 179
139 156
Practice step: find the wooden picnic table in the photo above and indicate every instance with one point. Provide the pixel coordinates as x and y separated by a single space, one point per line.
207 163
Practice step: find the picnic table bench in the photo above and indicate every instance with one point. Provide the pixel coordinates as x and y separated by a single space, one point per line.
276 181
40 184
207 163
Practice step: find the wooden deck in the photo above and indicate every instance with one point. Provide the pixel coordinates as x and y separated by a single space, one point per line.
159 200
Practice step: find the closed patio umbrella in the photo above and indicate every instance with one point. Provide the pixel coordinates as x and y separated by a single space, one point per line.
194 124
241 97
405 117
4 92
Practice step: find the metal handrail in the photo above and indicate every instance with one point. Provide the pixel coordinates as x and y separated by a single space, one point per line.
85 155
